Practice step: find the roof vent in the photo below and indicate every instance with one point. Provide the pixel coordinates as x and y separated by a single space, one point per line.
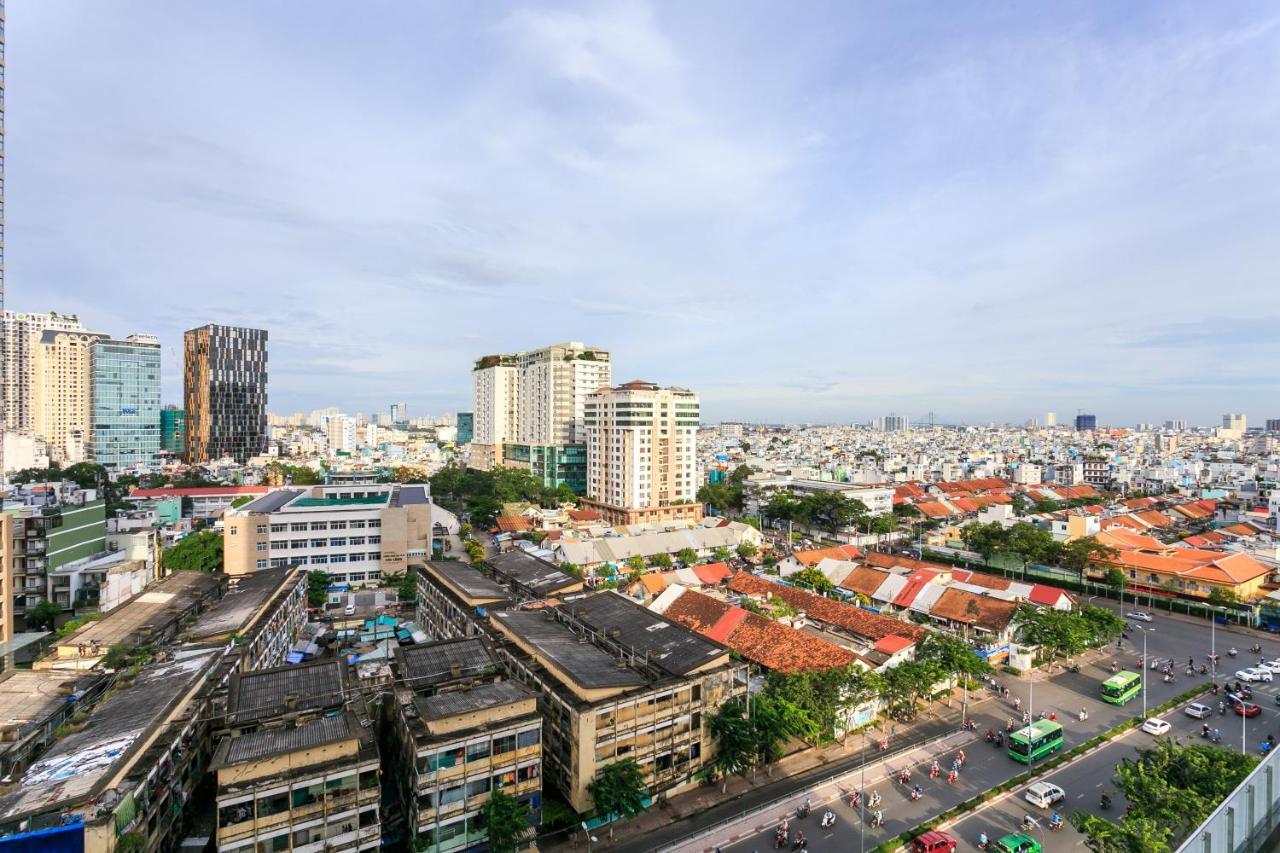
614 633
583 639
455 670
291 701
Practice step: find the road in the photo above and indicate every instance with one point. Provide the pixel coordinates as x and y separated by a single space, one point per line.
1064 694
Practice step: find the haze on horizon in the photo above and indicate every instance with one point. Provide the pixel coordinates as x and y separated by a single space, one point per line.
824 212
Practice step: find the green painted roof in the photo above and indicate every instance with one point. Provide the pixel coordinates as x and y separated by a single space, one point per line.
322 502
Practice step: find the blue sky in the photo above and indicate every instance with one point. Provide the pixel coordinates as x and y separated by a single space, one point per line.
807 212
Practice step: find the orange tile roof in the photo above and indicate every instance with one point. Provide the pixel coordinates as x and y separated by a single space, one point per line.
1155 518
933 509
761 640
583 514
712 573
513 523
847 616
864 580
836 552
958 605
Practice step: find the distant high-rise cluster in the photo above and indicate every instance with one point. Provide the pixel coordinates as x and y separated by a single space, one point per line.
225 393
529 410
1084 423
1237 422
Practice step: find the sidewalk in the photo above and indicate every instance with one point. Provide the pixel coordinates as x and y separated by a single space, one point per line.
669 821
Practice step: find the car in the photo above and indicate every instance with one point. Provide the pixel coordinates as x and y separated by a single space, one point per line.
1044 794
1018 842
1271 666
1253 673
350 609
1198 711
1154 726
933 841
1139 615
1248 709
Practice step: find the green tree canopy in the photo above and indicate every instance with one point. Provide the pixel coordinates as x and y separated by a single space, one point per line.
43 616
722 554
506 820
318 583
198 552
736 746
746 550
688 556
618 789
661 561
812 578
1078 554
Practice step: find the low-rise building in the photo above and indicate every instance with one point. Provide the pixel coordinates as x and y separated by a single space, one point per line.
356 534
454 599
461 734
616 681
299 766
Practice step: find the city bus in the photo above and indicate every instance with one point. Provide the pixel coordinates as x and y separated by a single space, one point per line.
1033 742
1121 687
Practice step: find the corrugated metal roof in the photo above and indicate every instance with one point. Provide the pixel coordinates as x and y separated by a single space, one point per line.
458 702
267 742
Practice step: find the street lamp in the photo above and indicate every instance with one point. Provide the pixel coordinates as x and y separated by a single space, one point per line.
862 798
1146 664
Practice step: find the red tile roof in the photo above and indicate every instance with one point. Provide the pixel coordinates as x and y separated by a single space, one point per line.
991 614
916 581
776 647
1154 518
1046 596
817 555
828 611
933 509
514 523
583 514
712 574
892 645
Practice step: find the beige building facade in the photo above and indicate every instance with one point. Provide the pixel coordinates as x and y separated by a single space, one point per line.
64 391
642 461
20 345
357 534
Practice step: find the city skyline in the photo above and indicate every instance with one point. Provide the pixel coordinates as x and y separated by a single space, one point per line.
812 222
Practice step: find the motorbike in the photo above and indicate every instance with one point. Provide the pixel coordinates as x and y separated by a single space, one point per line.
1216 737
1075 667
1168 679
873 802
905 777
983 843
1256 648
854 799
1055 825
828 819
799 843
933 771
916 793
1232 652
804 811
877 820
1104 802
969 725
991 735
1191 671
952 777
1000 735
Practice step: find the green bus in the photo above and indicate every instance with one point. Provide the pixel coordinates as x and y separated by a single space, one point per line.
1121 687
1033 742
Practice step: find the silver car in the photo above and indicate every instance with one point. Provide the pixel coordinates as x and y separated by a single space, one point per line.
1195 709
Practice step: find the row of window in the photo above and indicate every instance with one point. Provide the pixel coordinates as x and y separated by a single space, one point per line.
331 542
476 787
303 526
454 756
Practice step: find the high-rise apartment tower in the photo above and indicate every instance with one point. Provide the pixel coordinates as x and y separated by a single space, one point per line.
225 392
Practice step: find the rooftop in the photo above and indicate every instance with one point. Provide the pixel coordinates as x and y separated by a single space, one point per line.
313 503
588 665
268 742
149 613
466 581
539 576
74 767
271 502
245 596
267 693
433 663
663 642
456 702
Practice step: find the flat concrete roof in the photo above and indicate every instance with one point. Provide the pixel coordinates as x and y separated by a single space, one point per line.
155 607
32 696
244 597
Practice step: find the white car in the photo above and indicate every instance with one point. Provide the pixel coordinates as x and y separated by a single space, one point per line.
1272 666
1253 673
1155 727
349 610
1139 615
1044 794
1200 712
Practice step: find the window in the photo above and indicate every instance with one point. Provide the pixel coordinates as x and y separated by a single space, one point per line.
529 738
338 542
477 787
451 795
337 558
375 522
375 540
504 744
298 544
337 525
279 528
356 540
319 561
477 751
262 530
444 759
374 555
262 546
357 525
298 527
319 525
234 530
531 771
319 543
356 557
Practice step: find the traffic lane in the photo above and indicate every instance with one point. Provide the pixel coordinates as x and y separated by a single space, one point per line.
1083 782
1193 629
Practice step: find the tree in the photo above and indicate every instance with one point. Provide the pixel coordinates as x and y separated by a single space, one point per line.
1020 503
406 586
280 473
506 821
661 561
199 552
43 616
1220 596
618 790
318 583
823 695
783 506
736 749
986 540
777 719
722 554
688 556
953 656
1078 554
1115 578
882 525
812 578
746 550
1029 543
906 511
1173 788
571 569
635 564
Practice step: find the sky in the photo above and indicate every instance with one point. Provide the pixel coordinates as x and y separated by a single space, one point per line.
818 212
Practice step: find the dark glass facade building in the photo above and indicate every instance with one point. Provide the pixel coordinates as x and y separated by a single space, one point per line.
225 393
